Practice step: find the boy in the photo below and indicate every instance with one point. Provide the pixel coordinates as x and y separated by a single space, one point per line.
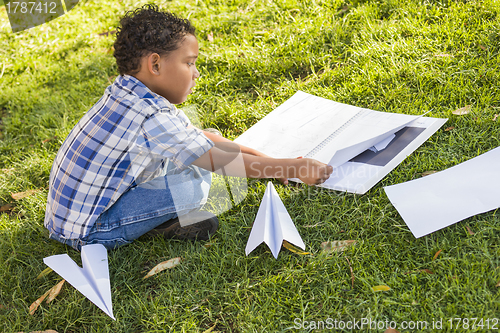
134 164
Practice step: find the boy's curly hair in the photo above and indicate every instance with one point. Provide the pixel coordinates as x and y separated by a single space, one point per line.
147 30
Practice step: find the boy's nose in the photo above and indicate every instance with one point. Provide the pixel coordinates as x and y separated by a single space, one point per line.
196 73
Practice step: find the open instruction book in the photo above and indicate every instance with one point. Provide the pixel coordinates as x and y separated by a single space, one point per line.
361 144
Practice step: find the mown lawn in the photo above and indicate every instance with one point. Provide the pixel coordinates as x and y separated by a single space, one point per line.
399 56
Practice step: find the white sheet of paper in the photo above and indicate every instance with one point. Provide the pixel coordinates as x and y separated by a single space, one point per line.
334 133
439 200
92 280
272 225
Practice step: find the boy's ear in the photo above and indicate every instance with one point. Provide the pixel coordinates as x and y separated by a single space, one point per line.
154 63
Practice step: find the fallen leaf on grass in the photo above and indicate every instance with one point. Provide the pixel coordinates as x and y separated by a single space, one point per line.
391 330
381 288
162 266
498 284
293 248
352 273
52 293
6 208
210 37
211 328
469 230
44 272
336 246
495 117
465 110
107 33
22 195
436 255
482 47
449 128
37 303
49 139
343 10
427 173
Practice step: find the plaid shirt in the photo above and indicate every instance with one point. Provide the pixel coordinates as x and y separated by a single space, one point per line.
123 140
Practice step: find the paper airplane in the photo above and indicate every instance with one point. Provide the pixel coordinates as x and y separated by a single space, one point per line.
92 280
273 225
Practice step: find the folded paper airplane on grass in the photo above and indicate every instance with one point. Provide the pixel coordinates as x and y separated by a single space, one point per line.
92 280
273 225
439 200
361 144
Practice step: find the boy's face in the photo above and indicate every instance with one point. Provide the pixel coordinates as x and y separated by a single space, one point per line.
177 72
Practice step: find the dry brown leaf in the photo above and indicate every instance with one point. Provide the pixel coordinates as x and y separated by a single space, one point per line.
21 195
427 173
294 248
436 255
495 117
49 139
162 266
391 330
352 273
482 47
211 328
381 288
44 272
54 291
6 208
343 10
210 37
469 230
37 303
465 110
498 284
449 128
107 33
336 246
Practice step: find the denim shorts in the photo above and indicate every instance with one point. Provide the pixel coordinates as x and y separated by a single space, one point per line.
146 206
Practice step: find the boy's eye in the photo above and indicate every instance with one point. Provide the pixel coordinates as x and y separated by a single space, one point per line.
190 63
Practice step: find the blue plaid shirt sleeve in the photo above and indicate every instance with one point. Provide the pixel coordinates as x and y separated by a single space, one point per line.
169 136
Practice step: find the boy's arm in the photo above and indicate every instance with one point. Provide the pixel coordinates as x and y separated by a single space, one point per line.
226 157
244 149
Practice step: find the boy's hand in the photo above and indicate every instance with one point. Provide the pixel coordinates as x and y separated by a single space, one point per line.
313 172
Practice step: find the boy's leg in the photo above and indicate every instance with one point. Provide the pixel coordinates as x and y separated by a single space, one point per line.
147 206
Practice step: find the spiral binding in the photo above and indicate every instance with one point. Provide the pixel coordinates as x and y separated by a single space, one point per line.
335 134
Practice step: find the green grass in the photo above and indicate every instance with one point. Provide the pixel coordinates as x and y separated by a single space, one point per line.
398 56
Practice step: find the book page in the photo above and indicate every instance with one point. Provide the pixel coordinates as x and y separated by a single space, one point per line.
297 126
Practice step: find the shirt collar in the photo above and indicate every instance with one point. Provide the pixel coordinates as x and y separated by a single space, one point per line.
129 84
